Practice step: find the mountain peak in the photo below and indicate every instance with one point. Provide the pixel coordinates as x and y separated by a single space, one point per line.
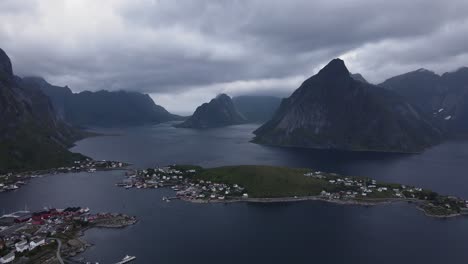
5 63
335 67
223 96
423 70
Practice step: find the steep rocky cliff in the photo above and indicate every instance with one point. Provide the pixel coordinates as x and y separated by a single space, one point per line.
31 137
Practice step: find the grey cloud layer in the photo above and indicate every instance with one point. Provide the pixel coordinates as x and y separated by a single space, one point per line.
173 48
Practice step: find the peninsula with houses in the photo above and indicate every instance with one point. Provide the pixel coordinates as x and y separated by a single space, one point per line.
251 183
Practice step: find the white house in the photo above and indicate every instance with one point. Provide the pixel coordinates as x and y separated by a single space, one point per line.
22 246
8 258
37 242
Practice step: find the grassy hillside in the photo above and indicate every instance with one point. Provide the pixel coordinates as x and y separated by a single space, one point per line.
31 150
266 181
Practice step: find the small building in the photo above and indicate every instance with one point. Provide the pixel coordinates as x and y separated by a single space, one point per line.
22 217
8 258
22 246
36 242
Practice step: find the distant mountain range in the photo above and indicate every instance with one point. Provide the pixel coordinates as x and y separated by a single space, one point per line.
257 108
31 137
334 110
102 108
444 97
220 111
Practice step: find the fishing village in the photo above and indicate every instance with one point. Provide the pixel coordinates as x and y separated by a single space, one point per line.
270 184
180 179
51 235
13 181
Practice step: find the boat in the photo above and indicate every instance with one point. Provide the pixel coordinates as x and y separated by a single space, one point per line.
12 187
126 259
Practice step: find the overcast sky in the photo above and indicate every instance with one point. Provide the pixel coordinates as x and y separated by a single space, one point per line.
183 53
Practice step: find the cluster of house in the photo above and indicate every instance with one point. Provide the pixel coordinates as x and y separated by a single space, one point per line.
24 231
211 191
181 182
13 181
349 187
155 178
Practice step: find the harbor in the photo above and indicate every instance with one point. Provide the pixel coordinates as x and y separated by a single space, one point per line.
52 234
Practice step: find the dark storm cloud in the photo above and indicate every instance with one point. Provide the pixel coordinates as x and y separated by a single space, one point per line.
194 49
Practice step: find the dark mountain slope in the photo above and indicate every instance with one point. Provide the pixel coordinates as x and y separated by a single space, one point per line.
358 77
103 108
256 108
333 110
444 97
220 111
30 135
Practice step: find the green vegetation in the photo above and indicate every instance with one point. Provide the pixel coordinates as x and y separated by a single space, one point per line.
238 183
266 181
30 149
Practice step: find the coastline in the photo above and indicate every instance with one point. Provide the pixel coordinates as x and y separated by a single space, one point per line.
369 202
358 202
79 245
245 183
13 181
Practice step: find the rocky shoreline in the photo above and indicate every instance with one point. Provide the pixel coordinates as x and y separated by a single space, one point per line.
80 245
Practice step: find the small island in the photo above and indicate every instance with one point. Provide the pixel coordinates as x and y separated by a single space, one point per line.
252 183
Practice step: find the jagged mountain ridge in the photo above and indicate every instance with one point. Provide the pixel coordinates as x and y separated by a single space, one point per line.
103 108
444 97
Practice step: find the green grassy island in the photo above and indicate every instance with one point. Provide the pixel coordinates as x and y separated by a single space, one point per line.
252 183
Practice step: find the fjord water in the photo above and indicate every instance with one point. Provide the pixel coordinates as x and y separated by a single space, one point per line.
302 232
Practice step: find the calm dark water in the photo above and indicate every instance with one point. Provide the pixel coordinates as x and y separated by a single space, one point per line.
303 232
